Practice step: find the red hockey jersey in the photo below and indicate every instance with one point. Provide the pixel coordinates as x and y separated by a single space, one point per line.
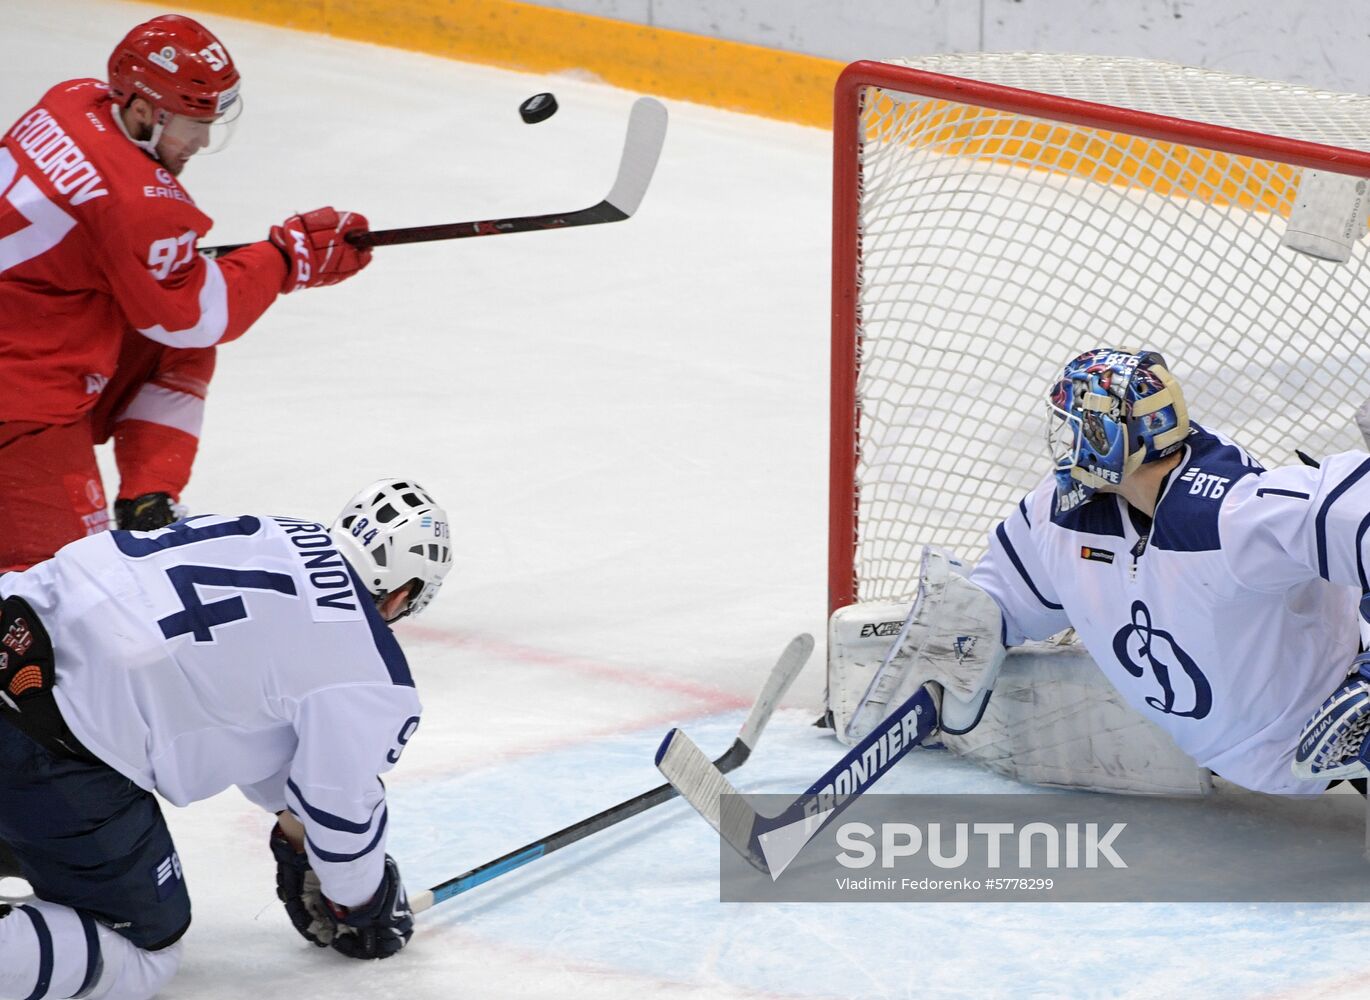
96 240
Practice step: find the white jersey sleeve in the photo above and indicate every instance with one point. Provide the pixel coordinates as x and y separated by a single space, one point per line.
1011 572
348 737
269 793
1289 525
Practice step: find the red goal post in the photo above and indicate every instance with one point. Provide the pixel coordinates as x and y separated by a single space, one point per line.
993 215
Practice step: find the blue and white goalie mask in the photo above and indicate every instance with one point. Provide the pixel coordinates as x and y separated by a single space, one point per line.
1110 412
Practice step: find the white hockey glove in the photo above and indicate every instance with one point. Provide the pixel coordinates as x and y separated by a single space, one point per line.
951 637
1333 742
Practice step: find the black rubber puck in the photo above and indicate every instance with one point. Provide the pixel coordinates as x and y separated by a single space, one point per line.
538 108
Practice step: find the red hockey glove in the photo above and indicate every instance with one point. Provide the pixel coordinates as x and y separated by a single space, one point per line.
316 250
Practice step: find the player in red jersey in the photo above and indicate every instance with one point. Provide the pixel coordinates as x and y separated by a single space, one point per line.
97 254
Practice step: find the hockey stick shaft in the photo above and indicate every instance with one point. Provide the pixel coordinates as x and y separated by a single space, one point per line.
771 842
637 163
782 675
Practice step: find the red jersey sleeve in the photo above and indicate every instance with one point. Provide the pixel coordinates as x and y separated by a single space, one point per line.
171 294
153 408
157 434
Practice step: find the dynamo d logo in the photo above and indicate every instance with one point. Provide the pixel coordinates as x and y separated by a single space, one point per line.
1140 643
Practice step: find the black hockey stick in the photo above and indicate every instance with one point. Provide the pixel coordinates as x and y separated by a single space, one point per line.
782 675
641 148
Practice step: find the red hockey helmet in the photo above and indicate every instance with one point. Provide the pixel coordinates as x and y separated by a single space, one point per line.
176 64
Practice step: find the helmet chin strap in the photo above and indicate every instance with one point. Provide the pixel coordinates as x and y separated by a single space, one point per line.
149 145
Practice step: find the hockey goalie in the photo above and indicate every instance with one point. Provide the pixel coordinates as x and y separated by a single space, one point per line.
1160 609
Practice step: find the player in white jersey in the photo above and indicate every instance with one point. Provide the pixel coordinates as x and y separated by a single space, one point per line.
250 650
1218 597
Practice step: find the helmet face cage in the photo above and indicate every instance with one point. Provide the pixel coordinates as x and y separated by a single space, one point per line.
394 533
1108 413
177 65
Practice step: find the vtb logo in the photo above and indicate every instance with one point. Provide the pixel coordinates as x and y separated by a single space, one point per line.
1140 643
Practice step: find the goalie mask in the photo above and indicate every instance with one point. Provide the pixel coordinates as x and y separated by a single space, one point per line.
1109 413
394 533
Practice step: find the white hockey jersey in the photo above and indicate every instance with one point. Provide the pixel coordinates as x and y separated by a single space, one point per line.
1227 620
234 651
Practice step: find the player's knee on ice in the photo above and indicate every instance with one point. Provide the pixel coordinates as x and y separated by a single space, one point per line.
48 950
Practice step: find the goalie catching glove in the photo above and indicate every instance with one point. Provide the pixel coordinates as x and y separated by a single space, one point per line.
1333 742
377 929
316 248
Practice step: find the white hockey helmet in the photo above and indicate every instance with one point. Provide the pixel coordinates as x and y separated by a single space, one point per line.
393 532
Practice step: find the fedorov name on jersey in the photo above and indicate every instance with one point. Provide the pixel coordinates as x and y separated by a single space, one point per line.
333 597
56 154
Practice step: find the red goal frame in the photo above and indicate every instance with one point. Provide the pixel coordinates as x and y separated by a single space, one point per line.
844 441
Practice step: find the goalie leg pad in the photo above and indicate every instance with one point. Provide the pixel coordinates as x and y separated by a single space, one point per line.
879 654
1055 720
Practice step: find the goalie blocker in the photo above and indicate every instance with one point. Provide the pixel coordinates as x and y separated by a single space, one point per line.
1055 721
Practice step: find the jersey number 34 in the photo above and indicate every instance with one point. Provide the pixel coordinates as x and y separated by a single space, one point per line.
198 618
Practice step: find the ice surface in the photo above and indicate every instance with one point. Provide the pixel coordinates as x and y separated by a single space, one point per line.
628 423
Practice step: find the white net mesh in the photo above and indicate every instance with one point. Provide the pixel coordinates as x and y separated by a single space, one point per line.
995 246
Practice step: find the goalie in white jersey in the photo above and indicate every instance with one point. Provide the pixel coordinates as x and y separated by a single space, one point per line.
250 651
1218 597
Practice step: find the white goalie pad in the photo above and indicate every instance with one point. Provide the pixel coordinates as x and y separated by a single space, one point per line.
880 654
859 636
1054 719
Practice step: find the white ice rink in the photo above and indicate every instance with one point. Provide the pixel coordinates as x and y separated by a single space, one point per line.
628 425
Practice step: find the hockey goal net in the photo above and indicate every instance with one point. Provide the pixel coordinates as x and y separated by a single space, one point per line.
994 215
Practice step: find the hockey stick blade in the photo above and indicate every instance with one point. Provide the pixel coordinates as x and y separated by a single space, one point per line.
782 675
636 165
641 150
770 843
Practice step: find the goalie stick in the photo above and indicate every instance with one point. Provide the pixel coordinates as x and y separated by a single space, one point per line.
770 843
782 675
641 149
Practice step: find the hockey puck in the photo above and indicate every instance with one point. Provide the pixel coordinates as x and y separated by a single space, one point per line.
538 108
